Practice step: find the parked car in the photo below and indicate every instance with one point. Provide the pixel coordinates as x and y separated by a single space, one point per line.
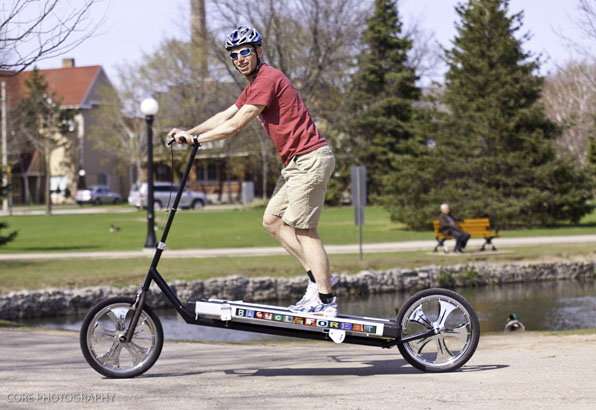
96 195
134 196
164 193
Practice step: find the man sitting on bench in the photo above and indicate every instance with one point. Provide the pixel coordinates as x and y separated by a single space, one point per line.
449 227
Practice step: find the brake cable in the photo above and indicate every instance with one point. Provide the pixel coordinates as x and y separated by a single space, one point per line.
171 187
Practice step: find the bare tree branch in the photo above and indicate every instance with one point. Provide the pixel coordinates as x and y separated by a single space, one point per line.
32 32
569 98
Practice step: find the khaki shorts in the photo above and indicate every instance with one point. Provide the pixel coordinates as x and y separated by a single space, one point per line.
300 191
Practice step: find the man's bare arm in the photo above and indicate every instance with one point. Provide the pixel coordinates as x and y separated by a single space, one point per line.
214 121
233 125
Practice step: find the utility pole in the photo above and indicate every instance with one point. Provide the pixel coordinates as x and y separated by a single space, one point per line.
6 202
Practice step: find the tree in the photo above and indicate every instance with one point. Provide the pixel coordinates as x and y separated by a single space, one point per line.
5 239
43 123
581 41
119 132
167 75
379 107
494 153
591 154
32 30
570 100
313 42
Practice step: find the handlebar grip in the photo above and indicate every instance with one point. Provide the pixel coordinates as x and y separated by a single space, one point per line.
183 140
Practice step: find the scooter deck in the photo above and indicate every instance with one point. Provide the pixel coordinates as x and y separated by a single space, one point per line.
337 328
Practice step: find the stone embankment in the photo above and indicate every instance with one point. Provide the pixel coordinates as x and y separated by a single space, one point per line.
57 302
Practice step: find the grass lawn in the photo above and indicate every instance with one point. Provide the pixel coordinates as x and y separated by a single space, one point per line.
73 273
215 229
232 228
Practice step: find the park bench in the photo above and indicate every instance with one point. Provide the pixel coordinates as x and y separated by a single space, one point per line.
477 228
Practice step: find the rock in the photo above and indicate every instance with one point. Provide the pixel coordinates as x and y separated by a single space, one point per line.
57 302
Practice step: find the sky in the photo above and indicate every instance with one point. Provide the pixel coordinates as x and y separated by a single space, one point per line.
135 27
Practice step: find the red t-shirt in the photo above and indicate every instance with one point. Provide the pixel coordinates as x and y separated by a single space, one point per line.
285 117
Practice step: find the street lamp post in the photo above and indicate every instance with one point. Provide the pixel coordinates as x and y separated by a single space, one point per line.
149 108
81 183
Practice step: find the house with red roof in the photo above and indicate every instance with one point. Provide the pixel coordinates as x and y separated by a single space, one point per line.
75 165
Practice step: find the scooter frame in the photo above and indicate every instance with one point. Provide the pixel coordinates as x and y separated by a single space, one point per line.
275 320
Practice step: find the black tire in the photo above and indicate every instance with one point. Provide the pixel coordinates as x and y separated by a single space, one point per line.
102 348
456 330
157 205
197 205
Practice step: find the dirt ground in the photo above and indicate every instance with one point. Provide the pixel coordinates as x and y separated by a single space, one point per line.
45 369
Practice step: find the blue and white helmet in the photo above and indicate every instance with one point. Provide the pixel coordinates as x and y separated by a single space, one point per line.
243 35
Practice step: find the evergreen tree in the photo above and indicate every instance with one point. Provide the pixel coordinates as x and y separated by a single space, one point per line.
591 151
379 105
494 152
5 239
3 225
43 123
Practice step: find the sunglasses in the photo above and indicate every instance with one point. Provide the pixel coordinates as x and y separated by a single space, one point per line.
244 52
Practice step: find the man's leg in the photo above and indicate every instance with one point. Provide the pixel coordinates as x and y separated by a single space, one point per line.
316 257
465 240
286 236
298 200
458 236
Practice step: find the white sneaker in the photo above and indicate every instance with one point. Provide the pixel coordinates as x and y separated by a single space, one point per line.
317 308
312 291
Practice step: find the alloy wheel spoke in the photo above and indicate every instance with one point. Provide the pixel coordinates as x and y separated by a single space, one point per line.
443 353
101 333
419 345
460 333
445 309
112 356
418 316
137 352
118 317
140 326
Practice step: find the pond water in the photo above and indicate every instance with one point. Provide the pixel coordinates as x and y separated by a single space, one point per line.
561 305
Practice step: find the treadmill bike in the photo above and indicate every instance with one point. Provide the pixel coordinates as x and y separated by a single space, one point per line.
436 330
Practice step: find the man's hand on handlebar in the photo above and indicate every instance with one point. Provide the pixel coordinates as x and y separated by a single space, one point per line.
181 137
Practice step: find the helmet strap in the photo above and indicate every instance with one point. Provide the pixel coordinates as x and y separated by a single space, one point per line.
258 67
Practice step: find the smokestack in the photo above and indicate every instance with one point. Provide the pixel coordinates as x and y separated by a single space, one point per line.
198 27
68 62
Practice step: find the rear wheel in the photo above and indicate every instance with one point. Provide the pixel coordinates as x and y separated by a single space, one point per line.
197 205
100 336
448 327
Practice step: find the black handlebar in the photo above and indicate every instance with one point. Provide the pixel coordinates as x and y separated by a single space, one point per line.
183 140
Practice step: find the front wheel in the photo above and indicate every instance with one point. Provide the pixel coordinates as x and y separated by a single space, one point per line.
100 339
443 330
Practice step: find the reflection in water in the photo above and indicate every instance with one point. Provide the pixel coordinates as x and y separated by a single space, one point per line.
558 305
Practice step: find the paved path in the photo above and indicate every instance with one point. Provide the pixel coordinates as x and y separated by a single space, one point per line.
97 209
331 249
45 369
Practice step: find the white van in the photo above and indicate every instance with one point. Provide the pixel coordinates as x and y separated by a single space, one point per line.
164 193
